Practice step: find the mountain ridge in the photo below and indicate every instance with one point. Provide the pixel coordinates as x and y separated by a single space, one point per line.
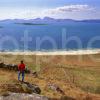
49 19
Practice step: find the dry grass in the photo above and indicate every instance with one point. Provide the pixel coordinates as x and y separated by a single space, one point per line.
76 78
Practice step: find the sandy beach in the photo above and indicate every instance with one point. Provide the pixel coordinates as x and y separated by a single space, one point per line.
69 52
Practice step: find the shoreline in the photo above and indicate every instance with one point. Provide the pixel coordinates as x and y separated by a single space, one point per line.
66 52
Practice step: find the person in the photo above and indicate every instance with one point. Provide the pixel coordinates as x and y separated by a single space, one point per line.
21 70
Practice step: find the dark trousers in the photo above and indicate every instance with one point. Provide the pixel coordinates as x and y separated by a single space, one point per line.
21 73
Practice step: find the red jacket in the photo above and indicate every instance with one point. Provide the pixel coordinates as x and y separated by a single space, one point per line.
21 67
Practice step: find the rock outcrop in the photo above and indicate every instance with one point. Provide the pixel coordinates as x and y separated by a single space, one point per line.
56 88
32 87
12 67
23 96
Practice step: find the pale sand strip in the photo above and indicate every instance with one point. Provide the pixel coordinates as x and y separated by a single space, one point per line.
70 52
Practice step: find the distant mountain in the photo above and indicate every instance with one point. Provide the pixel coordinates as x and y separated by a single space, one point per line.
48 20
91 21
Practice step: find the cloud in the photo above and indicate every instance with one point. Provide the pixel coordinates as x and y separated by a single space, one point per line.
68 11
9 13
69 8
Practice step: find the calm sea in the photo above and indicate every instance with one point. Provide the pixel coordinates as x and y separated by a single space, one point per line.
51 36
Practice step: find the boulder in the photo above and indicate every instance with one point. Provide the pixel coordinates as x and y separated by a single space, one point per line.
14 67
23 96
8 66
32 87
56 88
2 65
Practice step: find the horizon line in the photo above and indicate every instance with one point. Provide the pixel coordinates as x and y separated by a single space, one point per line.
41 18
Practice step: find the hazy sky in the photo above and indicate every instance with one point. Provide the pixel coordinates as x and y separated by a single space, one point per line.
70 9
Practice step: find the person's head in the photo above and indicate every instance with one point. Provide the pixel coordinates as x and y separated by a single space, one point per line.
21 61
